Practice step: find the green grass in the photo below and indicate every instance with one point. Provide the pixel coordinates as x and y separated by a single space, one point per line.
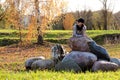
10 30
68 33
50 75
59 36
15 70
55 36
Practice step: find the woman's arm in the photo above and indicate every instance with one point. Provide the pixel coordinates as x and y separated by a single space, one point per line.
84 31
74 32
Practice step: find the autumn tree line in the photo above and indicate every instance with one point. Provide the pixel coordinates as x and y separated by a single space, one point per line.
54 15
41 12
93 20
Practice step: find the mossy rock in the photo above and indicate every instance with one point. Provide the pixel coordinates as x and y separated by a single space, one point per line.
115 60
68 65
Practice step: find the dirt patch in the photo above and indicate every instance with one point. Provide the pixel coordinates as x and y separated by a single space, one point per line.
13 57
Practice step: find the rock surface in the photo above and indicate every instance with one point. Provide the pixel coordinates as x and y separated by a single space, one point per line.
85 60
79 44
68 65
29 61
42 64
99 51
104 66
115 60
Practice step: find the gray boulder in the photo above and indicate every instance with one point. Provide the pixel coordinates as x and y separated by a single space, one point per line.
68 65
85 60
57 52
79 44
57 55
99 51
115 60
104 66
42 64
29 61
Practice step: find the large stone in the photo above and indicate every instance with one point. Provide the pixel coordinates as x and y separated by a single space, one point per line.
115 60
85 60
58 52
79 44
99 51
68 65
42 64
104 66
29 61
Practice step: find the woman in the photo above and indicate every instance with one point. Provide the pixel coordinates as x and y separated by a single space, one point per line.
79 28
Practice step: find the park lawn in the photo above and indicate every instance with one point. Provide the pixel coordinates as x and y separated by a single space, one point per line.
51 75
65 34
12 66
12 59
54 34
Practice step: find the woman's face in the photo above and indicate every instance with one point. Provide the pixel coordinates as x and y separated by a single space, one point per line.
79 24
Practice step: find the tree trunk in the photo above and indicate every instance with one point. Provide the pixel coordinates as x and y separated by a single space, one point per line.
39 38
20 35
105 20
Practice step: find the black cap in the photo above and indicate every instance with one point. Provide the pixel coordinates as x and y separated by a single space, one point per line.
81 20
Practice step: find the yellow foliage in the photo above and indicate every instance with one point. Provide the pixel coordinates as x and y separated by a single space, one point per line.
51 9
31 32
68 21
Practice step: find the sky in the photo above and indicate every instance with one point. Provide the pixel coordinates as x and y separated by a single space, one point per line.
94 5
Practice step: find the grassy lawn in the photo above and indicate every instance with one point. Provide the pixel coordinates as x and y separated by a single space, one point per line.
12 58
68 33
49 75
12 66
55 34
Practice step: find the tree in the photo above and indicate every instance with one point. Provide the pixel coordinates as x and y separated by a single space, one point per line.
105 10
68 21
37 13
14 14
2 17
87 15
57 22
2 13
97 20
45 13
88 19
31 31
117 20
